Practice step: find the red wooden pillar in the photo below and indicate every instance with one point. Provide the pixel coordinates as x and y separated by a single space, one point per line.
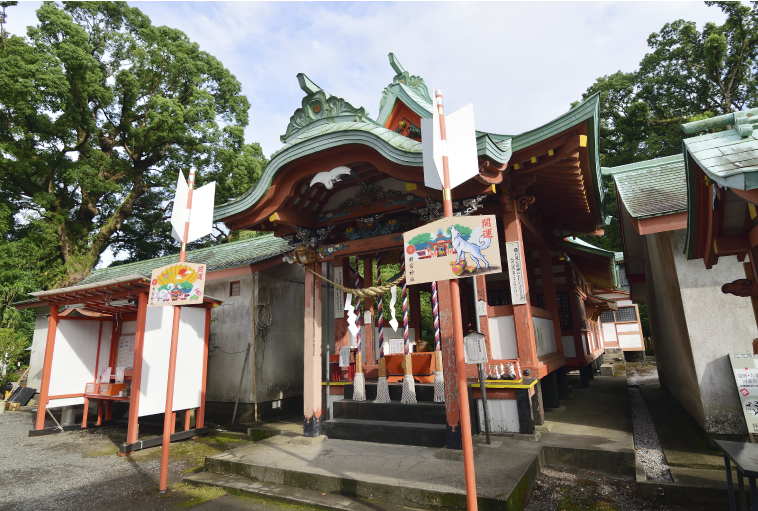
548 291
368 305
52 328
522 314
112 363
447 340
132 428
312 407
200 412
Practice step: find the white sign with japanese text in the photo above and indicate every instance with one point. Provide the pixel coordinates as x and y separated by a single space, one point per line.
339 295
514 255
745 367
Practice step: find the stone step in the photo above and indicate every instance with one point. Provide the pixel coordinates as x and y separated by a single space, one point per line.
422 412
299 496
386 432
424 391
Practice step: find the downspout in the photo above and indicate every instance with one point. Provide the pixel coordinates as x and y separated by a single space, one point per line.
252 315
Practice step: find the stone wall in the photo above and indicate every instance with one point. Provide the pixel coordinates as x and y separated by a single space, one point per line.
718 324
278 355
676 366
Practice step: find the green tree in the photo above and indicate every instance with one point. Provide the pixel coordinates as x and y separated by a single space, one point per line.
688 75
99 111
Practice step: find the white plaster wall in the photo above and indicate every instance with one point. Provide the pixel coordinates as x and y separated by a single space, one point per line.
569 350
609 335
503 338
544 333
718 324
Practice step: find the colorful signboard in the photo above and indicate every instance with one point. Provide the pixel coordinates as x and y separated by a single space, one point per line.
745 367
177 284
451 248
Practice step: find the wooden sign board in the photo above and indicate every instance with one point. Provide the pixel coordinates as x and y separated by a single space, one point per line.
475 349
745 368
397 346
344 356
177 284
515 257
451 248
339 295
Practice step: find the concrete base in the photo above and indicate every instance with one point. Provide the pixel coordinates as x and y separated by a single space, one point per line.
606 370
309 441
594 433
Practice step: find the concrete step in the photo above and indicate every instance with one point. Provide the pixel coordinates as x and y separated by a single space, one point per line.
300 496
424 391
606 370
422 412
386 432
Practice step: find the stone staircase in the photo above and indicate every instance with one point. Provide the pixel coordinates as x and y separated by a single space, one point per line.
421 424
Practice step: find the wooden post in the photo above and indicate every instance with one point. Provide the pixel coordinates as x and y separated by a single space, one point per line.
112 361
52 328
522 314
200 412
447 340
312 408
368 305
132 428
548 291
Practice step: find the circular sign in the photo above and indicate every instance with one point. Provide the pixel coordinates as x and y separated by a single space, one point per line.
411 249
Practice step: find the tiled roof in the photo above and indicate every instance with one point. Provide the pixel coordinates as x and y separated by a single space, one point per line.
226 255
653 187
728 157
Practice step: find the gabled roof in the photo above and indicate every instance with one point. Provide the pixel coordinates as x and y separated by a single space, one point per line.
226 255
652 187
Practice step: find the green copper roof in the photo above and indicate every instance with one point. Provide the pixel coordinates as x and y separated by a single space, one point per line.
338 123
728 157
652 187
226 255
580 244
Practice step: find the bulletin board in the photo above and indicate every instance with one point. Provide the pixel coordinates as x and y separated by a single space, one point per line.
74 353
155 358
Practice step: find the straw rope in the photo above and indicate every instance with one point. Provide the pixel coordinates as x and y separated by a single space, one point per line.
368 292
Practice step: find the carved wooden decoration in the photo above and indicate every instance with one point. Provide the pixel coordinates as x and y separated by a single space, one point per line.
741 287
524 201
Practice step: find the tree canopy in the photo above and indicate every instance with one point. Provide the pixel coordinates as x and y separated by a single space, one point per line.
99 112
689 74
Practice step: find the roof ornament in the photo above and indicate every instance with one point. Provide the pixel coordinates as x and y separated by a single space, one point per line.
330 177
319 106
743 121
414 83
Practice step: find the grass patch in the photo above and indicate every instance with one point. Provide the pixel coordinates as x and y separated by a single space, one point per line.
195 495
584 504
277 504
192 452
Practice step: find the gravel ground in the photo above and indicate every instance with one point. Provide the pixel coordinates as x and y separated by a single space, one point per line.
80 469
560 489
647 447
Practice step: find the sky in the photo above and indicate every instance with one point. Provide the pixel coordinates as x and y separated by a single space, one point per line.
520 63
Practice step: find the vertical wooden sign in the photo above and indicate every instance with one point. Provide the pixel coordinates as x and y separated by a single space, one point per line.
514 255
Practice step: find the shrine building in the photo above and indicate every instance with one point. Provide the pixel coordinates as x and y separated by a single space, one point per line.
342 190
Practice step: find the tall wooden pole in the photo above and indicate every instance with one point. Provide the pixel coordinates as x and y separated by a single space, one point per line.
168 417
465 413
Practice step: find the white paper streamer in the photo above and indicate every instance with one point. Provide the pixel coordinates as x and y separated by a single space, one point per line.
351 317
393 321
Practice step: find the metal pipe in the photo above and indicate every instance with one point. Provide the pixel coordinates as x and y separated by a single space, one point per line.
482 380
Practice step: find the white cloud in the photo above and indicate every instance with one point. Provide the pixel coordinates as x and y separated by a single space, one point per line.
521 64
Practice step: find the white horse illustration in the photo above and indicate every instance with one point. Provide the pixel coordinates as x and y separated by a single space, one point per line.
462 247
